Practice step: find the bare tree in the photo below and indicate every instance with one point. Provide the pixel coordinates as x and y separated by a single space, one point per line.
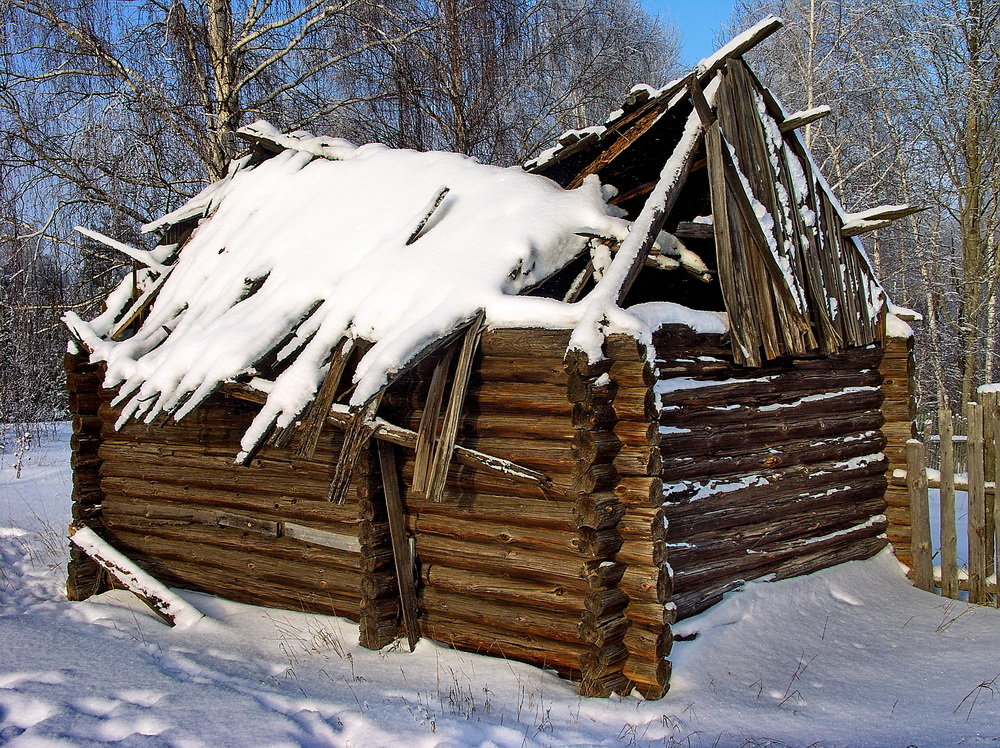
500 79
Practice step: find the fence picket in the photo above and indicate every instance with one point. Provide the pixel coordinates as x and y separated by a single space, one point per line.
920 541
977 507
949 532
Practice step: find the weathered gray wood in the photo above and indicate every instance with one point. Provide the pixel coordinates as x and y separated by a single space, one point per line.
977 506
336 540
400 544
429 419
453 413
803 118
923 573
315 419
996 487
427 214
165 604
949 532
358 433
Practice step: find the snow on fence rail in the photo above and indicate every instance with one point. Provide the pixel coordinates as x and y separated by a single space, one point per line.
980 481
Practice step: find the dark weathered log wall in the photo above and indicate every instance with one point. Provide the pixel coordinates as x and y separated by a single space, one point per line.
83 380
176 504
775 470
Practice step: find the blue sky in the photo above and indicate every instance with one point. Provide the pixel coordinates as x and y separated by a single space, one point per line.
697 20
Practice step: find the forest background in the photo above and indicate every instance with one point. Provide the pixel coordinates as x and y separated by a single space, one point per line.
113 112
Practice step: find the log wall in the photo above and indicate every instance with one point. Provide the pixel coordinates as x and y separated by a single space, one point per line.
176 504
899 409
83 380
776 470
765 471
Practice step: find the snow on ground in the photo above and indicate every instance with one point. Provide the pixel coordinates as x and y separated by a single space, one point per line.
851 656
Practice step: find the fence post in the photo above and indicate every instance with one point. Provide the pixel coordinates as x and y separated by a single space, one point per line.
996 492
988 402
977 506
916 479
949 532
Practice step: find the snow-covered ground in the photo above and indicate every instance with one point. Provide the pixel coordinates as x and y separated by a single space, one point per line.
850 656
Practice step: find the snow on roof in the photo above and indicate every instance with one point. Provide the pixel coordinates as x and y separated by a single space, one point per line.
298 252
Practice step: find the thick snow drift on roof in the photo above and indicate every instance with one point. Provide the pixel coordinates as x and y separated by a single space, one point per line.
317 250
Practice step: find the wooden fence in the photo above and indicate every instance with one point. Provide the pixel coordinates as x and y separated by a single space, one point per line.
978 475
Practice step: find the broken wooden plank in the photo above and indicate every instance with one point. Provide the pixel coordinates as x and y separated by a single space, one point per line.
803 118
139 255
400 544
856 224
326 538
161 600
429 419
427 213
449 428
358 434
315 418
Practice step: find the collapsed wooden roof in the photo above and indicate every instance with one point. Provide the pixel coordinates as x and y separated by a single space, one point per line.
319 272
794 279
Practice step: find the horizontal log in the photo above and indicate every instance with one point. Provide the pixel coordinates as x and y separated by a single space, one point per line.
743 564
176 560
723 510
532 622
547 595
747 438
640 491
186 531
645 583
518 563
537 369
777 407
524 343
535 650
598 544
278 506
774 455
696 551
232 585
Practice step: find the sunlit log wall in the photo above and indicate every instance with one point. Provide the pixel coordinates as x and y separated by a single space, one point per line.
900 410
666 492
771 471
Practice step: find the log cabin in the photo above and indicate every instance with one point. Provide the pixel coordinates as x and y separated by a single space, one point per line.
537 413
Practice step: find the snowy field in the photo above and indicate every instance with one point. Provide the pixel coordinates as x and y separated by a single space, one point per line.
851 656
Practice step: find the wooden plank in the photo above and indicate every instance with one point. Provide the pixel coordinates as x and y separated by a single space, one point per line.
923 573
977 506
336 540
359 432
400 544
315 418
949 533
803 118
164 603
427 431
449 428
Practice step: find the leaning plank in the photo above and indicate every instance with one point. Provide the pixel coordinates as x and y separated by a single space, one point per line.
139 255
162 601
427 432
358 433
140 305
400 545
315 419
449 428
923 573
